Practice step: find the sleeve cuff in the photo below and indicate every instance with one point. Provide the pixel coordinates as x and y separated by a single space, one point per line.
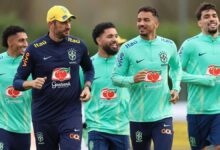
18 85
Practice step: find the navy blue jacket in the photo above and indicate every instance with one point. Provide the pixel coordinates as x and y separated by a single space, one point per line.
59 62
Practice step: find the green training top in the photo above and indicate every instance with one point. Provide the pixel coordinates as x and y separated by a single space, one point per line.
107 111
150 99
15 106
200 56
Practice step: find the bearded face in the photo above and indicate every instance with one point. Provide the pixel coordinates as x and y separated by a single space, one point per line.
108 41
111 48
209 22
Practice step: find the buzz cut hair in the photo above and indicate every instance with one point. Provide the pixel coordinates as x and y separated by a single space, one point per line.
9 31
149 9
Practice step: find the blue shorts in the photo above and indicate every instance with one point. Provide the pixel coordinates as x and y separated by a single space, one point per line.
105 141
203 130
65 134
161 132
14 141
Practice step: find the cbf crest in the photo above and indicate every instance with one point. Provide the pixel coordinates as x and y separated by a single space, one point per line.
40 138
163 57
139 136
72 55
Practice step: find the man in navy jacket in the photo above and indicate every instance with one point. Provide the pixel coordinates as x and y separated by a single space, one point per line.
53 61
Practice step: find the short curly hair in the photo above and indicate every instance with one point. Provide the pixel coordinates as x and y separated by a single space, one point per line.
99 29
9 31
204 6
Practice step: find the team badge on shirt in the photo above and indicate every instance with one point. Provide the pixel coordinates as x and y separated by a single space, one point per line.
163 57
108 94
11 92
153 76
213 70
40 138
72 55
139 136
61 74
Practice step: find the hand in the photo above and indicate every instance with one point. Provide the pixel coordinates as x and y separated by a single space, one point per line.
38 83
140 76
174 96
85 95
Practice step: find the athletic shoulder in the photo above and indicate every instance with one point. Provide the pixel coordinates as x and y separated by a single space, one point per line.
131 43
191 40
40 42
166 40
2 55
189 45
75 40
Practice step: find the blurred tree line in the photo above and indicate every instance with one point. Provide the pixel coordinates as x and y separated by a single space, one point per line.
31 14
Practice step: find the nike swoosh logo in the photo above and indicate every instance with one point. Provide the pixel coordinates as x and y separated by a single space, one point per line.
166 125
96 78
76 130
138 61
2 74
200 54
45 58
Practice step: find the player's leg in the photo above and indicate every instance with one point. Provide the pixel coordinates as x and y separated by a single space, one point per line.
140 133
14 141
20 141
162 134
119 142
97 141
85 131
70 131
214 135
198 130
84 137
4 140
46 136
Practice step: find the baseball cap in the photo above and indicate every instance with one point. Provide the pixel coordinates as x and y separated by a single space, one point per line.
121 40
59 13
